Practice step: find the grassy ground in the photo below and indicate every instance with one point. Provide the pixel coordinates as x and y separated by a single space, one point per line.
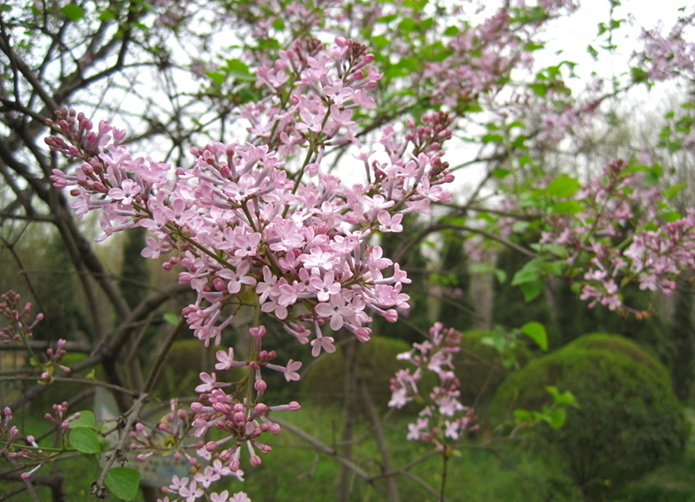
294 471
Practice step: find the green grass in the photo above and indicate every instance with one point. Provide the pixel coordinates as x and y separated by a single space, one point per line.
295 472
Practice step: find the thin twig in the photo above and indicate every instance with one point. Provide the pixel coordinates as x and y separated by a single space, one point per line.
98 487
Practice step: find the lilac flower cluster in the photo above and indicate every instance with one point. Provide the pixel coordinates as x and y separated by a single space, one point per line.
250 229
15 446
668 56
619 208
240 223
444 419
20 320
480 58
19 330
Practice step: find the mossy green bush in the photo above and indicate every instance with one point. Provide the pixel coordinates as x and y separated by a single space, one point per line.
622 345
629 419
324 380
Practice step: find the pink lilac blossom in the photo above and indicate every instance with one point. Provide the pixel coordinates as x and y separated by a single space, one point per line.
668 56
239 199
443 419
618 207
248 231
23 449
480 59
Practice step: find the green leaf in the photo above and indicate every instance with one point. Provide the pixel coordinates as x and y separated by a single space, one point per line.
523 276
85 440
218 78
107 15
415 4
500 172
146 5
562 397
549 247
5 7
674 190
380 41
497 341
563 186
556 417
529 272
671 216
531 290
73 12
492 138
520 226
501 275
238 69
532 46
123 482
567 207
387 19
525 160
86 420
172 319
278 24
539 89
592 52
407 25
536 332
523 415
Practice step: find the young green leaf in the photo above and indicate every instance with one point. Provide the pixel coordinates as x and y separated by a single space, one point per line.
531 290
123 482
85 440
563 186
172 319
86 419
73 12
562 397
555 417
536 332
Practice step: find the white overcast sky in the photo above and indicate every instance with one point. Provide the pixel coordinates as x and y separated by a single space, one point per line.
574 33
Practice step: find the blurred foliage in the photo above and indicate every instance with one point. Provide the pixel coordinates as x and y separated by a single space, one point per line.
324 380
480 368
59 392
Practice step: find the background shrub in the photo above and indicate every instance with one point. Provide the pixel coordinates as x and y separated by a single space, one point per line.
629 421
183 364
324 380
